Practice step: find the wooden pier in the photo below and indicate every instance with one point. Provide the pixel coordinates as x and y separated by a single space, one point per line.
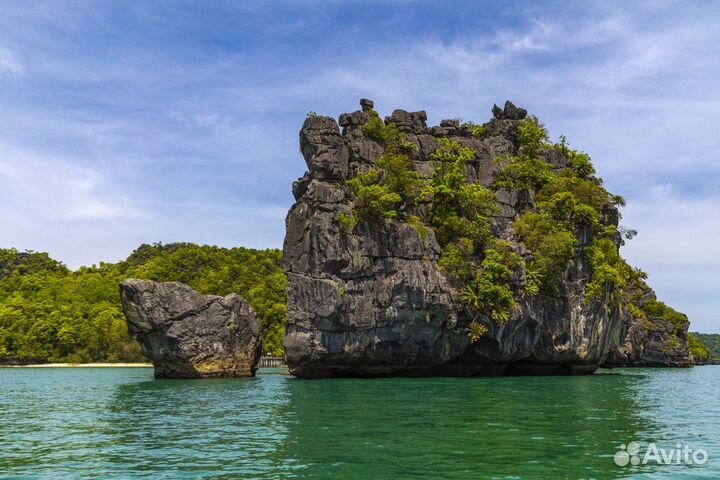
272 362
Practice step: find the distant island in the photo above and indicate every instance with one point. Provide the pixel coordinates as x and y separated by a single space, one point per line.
705 348
49 313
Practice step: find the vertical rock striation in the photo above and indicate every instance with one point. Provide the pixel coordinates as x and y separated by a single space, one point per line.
374 301
651 340
189 335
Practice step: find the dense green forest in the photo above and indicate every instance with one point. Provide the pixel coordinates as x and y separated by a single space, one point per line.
50 313
705 347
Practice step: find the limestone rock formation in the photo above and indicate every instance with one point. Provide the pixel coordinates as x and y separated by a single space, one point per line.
375 301
190 335
650 340
654 345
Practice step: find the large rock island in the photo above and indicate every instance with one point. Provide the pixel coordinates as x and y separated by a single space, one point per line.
461 249
190 335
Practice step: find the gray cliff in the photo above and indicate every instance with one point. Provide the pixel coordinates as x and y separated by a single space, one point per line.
190 335
651 340
375 302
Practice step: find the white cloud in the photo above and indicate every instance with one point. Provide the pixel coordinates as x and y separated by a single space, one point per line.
171 145
674 231
9 63
48 189
676 246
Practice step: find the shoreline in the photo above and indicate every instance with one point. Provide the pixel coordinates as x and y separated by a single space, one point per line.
80 365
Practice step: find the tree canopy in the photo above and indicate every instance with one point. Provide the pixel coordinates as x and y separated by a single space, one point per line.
50 313
705 347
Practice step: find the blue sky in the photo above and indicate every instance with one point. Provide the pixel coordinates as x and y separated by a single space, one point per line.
131 122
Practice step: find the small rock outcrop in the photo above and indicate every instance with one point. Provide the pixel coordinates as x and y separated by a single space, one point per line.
654 344
372 299
190 335
655 339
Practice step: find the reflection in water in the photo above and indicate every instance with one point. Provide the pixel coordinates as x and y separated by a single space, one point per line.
435 428
215 428
119 423
116 423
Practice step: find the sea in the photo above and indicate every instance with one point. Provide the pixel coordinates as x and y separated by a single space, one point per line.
121 423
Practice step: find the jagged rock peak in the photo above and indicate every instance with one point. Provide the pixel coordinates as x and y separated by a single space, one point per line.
510 112
366 104
408 122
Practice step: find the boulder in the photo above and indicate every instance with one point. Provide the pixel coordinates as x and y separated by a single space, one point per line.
190 335
510 112
366 104
411 122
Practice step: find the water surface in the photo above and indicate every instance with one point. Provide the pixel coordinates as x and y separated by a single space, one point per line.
118 423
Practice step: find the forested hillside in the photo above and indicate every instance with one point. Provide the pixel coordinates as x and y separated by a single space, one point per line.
49 313
705 347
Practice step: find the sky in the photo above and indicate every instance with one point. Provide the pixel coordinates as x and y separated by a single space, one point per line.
124 123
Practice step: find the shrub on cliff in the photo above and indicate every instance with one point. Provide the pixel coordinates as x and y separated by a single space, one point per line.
533 136
566 213
457 211
567 201
488 290
656 309
393 184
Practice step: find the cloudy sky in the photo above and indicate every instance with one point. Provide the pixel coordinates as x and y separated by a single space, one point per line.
131 122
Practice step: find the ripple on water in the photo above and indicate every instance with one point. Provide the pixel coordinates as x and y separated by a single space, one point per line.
120 423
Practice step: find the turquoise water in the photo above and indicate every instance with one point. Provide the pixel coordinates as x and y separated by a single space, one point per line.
69 423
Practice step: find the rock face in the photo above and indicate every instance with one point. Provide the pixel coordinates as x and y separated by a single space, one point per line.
650 341
375 301
650 345
189 335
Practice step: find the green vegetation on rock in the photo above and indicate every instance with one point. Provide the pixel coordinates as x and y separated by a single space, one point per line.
569 203
705 347
565 214
460 216
478 131
393 184
456 210
489 291
699 351
49 313
657 309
